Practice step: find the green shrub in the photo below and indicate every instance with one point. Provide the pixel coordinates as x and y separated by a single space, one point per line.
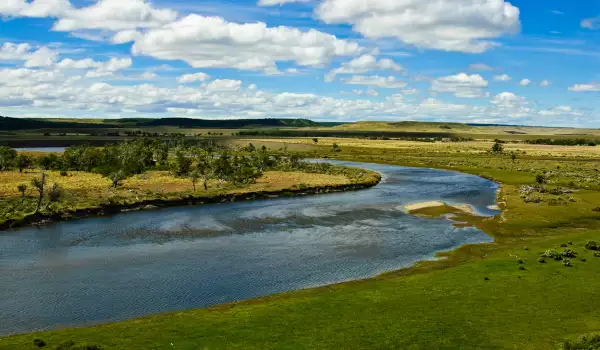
522 268
541 260
597 254
39 343
585 342
568 253
552 254
520 261
567 262
592 245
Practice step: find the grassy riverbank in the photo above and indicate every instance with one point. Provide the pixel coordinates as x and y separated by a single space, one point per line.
487 296
91 194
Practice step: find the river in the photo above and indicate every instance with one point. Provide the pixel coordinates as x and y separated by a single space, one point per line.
114 268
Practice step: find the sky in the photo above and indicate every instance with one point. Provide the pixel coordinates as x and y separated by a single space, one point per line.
521 62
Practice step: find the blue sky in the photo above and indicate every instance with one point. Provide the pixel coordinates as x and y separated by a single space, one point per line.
484 61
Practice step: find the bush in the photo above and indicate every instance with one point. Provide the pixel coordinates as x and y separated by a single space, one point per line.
541 260
522 268
63 173
39 343
585 342
592 245
567 263
597 254
520 261
552 254
568 253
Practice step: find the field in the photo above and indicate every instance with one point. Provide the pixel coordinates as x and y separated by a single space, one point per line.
83 190
486 296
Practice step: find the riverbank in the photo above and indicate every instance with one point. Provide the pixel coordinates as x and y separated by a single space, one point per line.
91 196
496 296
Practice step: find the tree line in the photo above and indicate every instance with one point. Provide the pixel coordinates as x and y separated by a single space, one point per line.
200 161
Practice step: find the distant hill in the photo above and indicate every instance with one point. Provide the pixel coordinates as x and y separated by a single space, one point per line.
7 123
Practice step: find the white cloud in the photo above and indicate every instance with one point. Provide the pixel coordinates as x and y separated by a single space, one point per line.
101 69
212 42
278 2
461 85
362 65
115 15
42 57
50 91
375 80
591 23
545 83
190 78
14 52
508 99
224 85
591 87
503 77
525 82
480 67
450 25
35 8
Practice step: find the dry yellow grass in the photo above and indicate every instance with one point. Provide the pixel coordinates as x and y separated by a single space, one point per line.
94 186
443 147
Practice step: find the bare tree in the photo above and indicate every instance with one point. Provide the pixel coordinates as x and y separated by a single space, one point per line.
39 184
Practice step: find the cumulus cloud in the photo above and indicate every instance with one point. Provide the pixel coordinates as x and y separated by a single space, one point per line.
375 80
100 69
461 85
41 57
503 77
525 82
35 8
212 42
449 25
362 65
591 87
545 83
51 89
190 78
115 15
224 85
508 99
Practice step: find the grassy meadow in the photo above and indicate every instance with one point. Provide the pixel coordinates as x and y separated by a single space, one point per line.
535 287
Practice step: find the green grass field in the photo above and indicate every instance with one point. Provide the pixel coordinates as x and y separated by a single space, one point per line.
486 296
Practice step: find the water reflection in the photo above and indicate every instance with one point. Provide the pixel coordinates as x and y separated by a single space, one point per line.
114 268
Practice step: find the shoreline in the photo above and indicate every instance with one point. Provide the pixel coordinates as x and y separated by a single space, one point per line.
153 204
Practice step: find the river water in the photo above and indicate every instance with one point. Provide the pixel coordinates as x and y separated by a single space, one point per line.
119 267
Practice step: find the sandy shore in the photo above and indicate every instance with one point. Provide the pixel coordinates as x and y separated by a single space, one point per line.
417 206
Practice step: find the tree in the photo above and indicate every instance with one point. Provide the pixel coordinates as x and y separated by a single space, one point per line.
22 162
7 156
336 148
39 184
315 140
182 164
194 176
22 189
54 195
497 147
116 178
